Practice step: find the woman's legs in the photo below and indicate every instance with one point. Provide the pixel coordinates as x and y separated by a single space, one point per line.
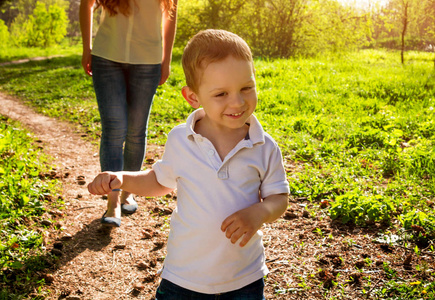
142 82
111 92
124 94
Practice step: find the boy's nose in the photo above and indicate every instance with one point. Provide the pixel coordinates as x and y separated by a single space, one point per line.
238 100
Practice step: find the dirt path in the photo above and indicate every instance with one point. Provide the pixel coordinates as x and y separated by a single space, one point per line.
94 263
24 60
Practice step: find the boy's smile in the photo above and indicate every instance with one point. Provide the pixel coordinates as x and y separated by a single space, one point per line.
227 93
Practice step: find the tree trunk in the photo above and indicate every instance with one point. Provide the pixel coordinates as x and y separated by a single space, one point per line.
405 25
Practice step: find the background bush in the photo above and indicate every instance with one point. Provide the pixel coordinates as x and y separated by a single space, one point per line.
4 35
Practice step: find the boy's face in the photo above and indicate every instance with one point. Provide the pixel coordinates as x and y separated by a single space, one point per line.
227 93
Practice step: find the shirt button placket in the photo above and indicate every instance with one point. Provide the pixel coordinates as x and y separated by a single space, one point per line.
223 172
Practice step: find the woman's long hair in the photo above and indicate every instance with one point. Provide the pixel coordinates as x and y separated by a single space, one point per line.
123 6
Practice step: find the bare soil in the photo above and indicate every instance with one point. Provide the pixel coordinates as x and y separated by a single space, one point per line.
307 253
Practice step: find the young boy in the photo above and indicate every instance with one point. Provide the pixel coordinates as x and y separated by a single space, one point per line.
228 173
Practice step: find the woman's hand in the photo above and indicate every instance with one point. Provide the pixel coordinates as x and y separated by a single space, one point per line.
87 61
166 70
169 24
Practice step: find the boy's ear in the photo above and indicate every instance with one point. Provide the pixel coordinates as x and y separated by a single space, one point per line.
190 97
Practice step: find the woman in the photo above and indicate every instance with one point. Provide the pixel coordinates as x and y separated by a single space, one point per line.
130 57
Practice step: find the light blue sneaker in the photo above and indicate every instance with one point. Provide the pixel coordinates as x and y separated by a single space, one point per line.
130 208
110 221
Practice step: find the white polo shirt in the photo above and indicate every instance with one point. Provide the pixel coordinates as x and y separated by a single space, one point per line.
134 39
199 256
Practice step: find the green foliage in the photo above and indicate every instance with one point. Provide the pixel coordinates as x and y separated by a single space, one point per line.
414 217
20 185
360 209
369 137
4 35
421 161
406 290
22 193
44 28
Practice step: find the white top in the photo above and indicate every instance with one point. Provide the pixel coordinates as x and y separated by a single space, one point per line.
135 39
199 256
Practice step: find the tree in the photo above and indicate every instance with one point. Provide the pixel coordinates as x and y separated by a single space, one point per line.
272 27
73 17
405 21
44 27
286 19
404 25
220 13
194 16
411 16
335 27
429 29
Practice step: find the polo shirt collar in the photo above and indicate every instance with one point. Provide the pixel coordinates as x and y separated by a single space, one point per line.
255 133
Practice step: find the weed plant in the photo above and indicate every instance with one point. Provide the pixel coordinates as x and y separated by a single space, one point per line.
23 194
357 131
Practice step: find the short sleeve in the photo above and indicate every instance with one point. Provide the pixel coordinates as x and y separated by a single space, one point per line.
274 180
164 168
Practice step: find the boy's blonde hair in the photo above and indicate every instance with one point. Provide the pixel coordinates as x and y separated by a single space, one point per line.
210 46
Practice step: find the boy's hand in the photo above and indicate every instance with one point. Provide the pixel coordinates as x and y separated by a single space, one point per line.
247 221
105 182
244 223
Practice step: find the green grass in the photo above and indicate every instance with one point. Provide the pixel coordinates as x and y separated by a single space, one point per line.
23 193
13 53
357 131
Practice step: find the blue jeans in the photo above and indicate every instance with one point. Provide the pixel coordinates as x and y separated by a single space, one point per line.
124 94
169 291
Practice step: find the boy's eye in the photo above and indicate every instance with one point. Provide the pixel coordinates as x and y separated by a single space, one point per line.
248 88
220 94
